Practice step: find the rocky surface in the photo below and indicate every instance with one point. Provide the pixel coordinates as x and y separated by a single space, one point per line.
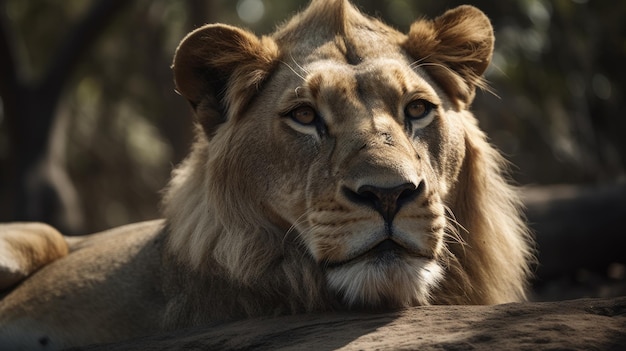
583 324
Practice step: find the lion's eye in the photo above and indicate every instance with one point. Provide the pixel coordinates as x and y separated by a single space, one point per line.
417 109
305 115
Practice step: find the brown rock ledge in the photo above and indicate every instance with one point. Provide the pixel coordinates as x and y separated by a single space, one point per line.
584 324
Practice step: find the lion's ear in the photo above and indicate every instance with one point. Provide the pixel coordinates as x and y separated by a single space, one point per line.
461 40
218 68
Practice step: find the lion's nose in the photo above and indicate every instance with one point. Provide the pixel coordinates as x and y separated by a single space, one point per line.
386 201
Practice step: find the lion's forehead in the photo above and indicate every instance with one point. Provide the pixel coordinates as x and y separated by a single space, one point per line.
375 84
392 71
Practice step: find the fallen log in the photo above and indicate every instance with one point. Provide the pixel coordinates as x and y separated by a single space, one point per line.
586 324
577 227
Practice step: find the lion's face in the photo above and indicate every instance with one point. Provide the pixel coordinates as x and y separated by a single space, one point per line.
344 137
366 155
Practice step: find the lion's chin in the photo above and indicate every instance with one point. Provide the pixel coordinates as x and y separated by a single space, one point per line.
387 280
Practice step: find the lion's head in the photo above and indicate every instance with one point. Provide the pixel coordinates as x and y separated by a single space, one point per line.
336 162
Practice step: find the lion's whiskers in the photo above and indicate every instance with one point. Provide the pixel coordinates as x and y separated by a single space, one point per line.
337 229
454 226
453 229
416 63
294 229
483 84
293 70
297 64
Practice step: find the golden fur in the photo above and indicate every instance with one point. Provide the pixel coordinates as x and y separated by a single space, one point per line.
336 166
26 247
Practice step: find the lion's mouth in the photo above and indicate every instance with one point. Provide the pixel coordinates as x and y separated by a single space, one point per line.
385 252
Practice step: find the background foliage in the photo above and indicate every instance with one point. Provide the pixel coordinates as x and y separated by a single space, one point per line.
116 127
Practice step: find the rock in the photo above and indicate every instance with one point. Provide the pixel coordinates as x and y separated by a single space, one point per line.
584 324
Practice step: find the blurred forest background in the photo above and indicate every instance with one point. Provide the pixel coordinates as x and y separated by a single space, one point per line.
91 127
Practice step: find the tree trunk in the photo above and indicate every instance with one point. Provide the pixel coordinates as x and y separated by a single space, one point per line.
37 184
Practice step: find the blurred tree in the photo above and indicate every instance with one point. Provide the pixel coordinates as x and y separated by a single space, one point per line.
39 188
114 63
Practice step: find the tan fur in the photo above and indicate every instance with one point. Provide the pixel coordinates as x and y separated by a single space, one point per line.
26 247
364 209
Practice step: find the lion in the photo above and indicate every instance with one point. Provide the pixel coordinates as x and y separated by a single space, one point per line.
336 166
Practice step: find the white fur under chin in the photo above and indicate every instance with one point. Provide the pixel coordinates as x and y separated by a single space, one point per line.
402 283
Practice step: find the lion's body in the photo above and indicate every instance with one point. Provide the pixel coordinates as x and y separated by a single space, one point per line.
336 166
109 286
